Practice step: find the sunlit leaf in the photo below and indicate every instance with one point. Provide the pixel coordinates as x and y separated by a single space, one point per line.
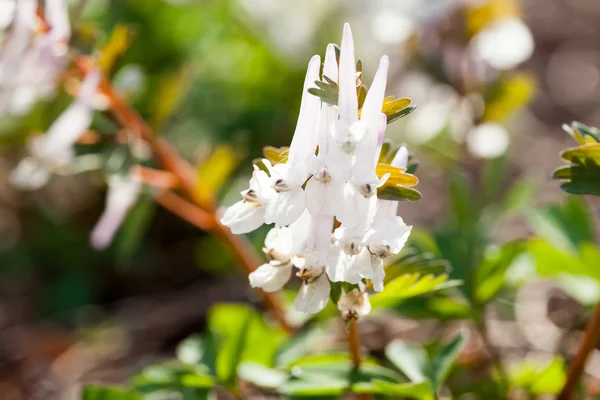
410 285
397 175
579 154
411 359
507 96
229 324
276 155
418 391
117 45
398 193
94 392
215 171
336 378
489 276
438 306
169 94
538 378
413 262
446 356
582 133
199 350
261 376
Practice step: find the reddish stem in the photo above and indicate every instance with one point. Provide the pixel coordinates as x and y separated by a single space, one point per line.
204 212
589 342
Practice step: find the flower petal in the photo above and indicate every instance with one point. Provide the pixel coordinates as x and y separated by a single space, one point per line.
122 194
270 278
340 267
347 100
378 273
313 297
285 207
390 231
243 217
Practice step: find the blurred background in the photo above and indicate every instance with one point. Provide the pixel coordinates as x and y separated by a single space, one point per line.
493 82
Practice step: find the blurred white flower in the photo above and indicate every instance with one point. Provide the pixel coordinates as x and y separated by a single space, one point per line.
354 304
55 149
391 27
503 44
488 140
7 13
122 194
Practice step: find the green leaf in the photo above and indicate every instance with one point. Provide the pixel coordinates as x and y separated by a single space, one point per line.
445 358
94 392
261 376
423 263
296 347
582 179
398 193
489 277
134 228
419 391
400 114
566 226
436 306
336 292
411 359
336 378
198 350
538 378
410 285
229 324
215 171
585 130
173 377
584 152
269 335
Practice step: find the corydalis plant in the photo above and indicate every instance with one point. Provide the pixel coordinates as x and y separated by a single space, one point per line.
333 204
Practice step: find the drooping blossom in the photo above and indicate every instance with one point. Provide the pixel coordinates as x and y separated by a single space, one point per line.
123 191
330 175
32 62
55 149
354 304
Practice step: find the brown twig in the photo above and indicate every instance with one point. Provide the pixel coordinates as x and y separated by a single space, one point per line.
354 343
589 342
244 252
204 212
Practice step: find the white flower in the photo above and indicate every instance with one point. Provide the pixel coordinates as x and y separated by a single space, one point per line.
340 183
55 149
488 140
324 193
122 194
503 44
31 66
354 304
314 292
249 213
281 244
288 202
56 146
269 277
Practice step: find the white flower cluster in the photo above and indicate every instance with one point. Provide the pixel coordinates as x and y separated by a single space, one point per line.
330 175
32 63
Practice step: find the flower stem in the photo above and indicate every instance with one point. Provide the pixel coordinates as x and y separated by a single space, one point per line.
354 343
589 342
203 211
